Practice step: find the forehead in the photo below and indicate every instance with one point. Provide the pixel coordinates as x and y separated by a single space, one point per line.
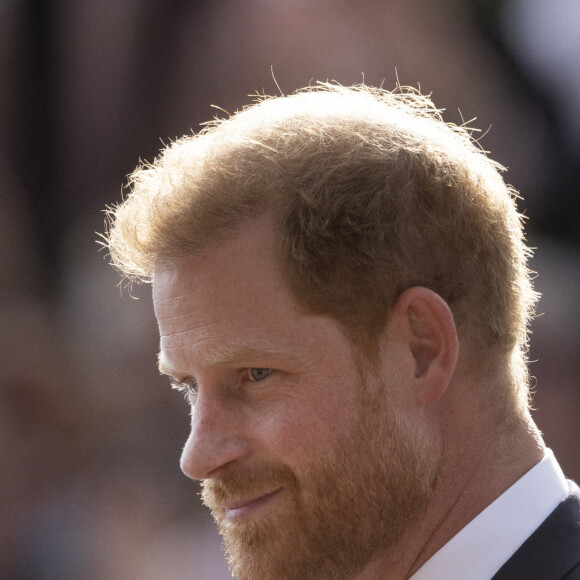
232 273
232 302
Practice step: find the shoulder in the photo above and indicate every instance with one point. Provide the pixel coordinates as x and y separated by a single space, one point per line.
552 552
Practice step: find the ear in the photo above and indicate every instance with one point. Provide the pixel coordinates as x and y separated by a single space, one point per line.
425 326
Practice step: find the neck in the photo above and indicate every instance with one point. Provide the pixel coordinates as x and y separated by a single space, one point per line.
480 460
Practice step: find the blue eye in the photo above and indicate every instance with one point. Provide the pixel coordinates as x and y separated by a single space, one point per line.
256 375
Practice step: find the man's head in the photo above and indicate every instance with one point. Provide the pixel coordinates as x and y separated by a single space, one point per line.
313 259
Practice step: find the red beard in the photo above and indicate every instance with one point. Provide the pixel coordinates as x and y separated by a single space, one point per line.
334 515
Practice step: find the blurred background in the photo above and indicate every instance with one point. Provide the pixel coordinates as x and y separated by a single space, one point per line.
90 435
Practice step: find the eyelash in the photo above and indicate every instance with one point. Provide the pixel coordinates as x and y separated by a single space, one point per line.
260 369
189 386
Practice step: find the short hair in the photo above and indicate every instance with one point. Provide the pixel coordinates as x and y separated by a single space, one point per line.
373 193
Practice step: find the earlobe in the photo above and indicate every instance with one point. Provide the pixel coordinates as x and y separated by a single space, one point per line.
427 327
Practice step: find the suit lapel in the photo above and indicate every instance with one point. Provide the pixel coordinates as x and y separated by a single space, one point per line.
553 550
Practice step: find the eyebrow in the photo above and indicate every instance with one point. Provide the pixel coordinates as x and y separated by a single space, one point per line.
223 355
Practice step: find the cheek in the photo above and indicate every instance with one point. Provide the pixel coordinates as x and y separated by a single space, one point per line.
304 432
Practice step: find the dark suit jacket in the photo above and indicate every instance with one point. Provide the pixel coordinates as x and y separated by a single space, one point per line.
552 552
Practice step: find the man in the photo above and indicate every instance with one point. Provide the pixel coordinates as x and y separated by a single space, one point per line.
341 288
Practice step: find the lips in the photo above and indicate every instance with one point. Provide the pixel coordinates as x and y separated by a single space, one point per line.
246 508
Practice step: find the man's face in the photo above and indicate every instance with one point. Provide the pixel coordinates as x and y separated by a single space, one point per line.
309 462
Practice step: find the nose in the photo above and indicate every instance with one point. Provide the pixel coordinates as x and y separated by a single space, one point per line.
216 439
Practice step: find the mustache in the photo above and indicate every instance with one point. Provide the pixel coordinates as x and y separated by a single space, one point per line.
244 483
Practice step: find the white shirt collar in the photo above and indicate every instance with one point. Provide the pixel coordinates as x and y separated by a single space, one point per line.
481 548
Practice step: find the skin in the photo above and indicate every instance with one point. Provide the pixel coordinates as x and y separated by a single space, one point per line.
227 310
